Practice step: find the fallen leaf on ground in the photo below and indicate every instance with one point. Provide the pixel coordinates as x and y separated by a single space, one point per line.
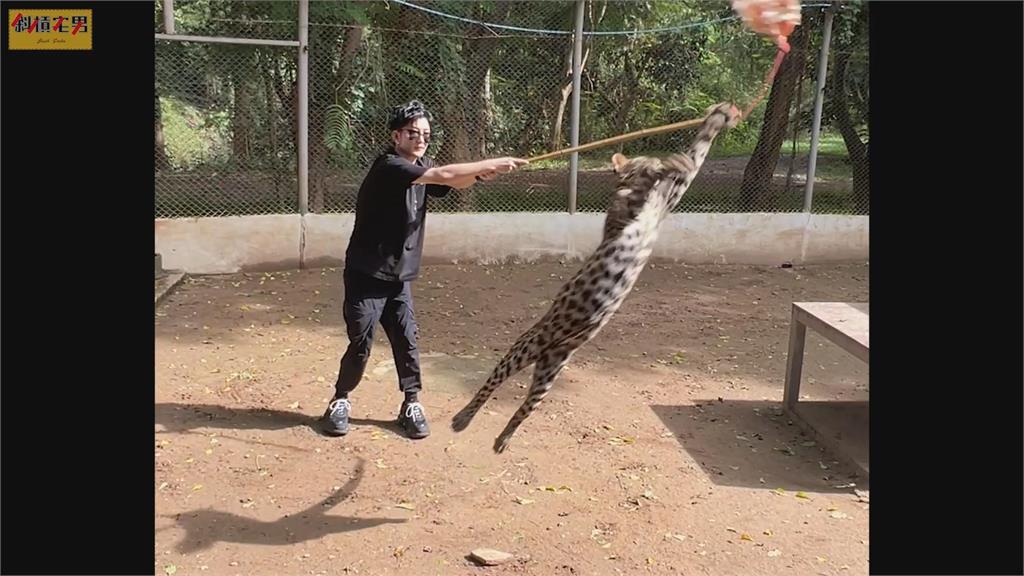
558 490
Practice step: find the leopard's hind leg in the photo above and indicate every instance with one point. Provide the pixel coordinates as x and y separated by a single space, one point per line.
522 354
549 365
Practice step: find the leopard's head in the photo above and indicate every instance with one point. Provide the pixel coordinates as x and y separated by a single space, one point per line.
637 173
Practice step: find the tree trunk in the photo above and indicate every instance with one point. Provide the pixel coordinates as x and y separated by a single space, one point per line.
628 96
241 119
478 107
160 152
796 123
456 144
469 119
266 64
566 91
755 191
857 149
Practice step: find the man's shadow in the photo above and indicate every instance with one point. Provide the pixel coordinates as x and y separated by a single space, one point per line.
183 418
205 527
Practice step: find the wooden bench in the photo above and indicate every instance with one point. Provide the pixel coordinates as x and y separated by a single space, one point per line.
843 323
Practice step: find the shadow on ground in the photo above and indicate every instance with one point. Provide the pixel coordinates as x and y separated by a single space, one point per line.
754 445
185 418
205 527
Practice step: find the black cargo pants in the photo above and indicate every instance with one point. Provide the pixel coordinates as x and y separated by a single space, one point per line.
368 301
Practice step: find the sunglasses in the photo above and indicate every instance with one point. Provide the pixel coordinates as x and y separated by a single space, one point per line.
415 134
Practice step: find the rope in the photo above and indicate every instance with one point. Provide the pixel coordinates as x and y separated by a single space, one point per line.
779 57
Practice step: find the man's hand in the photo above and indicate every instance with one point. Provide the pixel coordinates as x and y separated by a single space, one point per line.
500 166
504 165
492 169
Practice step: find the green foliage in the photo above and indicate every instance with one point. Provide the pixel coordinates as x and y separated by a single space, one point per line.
336 133
194 138
210 91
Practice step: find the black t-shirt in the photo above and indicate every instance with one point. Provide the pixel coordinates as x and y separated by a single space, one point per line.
391 211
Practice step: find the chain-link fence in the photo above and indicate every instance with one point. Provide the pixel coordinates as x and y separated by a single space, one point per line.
226 115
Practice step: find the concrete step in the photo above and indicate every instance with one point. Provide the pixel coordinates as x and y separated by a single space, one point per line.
165 284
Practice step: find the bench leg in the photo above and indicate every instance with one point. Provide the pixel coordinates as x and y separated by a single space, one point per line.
794 363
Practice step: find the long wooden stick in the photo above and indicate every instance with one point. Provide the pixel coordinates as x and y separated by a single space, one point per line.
620 138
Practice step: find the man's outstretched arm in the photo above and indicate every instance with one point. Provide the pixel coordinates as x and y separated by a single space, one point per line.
464 175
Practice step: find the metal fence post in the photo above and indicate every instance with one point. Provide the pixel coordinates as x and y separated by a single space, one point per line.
169 16
574 118
819 96
303 88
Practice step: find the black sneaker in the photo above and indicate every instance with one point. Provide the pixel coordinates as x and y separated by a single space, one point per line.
335 420
413 419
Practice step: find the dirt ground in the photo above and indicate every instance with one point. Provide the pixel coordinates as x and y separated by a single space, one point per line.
661 450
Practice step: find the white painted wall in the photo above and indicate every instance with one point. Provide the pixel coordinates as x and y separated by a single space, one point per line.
231 244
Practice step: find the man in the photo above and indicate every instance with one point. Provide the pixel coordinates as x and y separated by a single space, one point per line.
383 257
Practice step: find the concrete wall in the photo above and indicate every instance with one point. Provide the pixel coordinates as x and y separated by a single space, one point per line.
238 243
